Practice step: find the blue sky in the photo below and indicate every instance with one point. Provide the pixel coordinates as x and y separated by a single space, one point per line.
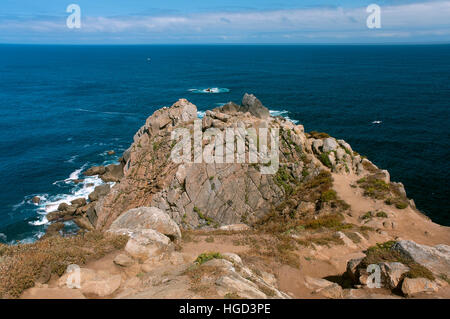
226 21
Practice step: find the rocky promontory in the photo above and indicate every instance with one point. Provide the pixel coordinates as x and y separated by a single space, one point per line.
229 229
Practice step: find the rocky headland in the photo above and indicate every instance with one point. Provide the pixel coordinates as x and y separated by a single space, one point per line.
159 228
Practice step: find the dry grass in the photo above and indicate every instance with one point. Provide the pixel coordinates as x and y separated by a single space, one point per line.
201 277
23 264
376 188
318 135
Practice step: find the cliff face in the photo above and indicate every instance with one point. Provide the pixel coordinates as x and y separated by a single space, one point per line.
214 194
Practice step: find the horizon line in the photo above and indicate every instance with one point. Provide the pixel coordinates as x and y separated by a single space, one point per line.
231 44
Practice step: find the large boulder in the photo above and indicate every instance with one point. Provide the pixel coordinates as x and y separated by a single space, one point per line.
99 192
95 170
412 286
436 259
230 108
237 284
113 173
146 243
83 222
78 202
329 144
251 104
324 287
391 273
147 218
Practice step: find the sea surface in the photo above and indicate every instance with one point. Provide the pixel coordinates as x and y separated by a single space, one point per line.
63 107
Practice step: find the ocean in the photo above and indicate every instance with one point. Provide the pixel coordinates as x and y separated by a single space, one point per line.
63 107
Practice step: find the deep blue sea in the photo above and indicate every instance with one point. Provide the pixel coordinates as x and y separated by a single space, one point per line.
63 107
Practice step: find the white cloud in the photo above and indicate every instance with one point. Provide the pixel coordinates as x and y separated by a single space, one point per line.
405 20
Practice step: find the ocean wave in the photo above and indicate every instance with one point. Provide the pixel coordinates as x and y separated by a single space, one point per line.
200 114
50 203
3 237
72 159
209 90
29 240
377 122
282 113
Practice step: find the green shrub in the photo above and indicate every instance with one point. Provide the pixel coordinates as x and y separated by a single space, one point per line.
381 214
318 135
325 160
204 257
328 195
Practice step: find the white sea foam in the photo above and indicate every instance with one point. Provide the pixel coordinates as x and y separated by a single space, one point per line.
282 113
2 237
17 206
200 114
72 159
377 122
50 203
209 90
28 240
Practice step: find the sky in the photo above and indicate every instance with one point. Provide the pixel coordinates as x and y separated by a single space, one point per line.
223 22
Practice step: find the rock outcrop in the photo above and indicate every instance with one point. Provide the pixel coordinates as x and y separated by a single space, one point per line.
204 194
404 265
153 197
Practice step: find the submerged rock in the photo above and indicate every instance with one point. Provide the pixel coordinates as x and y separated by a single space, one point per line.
95 170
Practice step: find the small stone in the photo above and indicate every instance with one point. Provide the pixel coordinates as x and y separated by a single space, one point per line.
123 260
36 199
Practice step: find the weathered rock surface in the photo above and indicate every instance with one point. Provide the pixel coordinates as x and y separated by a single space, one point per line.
123 260
324 287
436 259
113 173
95 170
251 104
412 286
146 243
206 195
147 218
99 191
391 273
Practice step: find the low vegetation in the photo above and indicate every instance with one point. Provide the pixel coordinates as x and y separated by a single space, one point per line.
204 257
22 265
318 135
377 188
383 252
